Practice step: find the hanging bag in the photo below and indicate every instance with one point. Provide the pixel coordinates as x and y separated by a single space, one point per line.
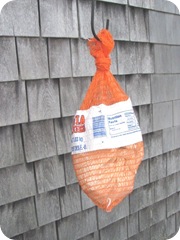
107 146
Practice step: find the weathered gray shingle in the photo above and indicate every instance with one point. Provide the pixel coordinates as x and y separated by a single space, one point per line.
43 99
46 232
17 182
173 162
139 30
8 60
6 25
145 218
92 236
39 140
86 201
78 225
145 117
176 136
117 14
173 204
141 198
33 60
59 18
162 58
13 106
59 58
48 207
157 27
63 134
70 200
85 18
117 230
133 224
175 58
162 115
145 58
126 58
69 169
158 231
11 149
169 85
160 189
142 176
168 140
20 18
157 168
155 144
71 102
120 211
138 89
140 3
171 184
49 174
171 226
18 217
158 212
114 1
162 5
82 62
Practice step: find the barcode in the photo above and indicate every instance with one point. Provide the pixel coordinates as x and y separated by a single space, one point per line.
99 126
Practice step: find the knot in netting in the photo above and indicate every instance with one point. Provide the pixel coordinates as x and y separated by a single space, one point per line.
103 64
101 50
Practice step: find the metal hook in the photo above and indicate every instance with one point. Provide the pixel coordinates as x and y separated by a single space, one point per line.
92 21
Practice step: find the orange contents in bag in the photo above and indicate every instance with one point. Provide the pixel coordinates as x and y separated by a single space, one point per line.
107 146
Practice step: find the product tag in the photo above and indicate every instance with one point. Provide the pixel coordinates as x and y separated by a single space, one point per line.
105 127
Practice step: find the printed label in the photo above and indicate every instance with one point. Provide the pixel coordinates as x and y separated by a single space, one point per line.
105 127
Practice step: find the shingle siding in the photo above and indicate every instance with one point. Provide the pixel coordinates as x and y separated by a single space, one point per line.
45 71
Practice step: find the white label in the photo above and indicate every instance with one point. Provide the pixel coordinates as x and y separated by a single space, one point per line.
105 127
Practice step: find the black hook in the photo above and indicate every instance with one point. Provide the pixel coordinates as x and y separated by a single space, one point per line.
92 21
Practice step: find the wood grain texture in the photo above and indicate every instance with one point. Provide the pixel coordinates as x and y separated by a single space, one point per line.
71 102
70 200
122 210
43 99
8 59
78 225
145 58
117 14
13 106
17 15
18 217
17 182
117 230
59 18
46 232
69 169
85 18
39 140
49 174
86 201
11 149
92 236
139 30
126 58
59 49
50 202
138 89
63 134
85 65
33 60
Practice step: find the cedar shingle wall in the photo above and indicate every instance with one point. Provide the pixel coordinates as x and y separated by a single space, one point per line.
45 70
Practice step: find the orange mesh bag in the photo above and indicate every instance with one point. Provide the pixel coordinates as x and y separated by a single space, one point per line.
107 146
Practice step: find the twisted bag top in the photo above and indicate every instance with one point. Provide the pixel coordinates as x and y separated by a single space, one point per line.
107 146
